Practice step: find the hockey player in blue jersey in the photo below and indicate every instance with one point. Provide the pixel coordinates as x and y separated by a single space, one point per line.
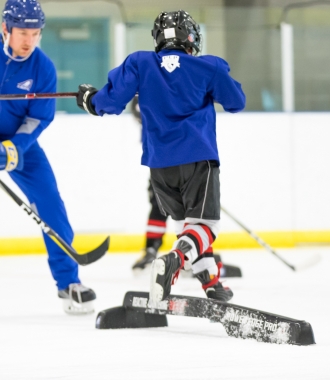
177 91
25 68
156 227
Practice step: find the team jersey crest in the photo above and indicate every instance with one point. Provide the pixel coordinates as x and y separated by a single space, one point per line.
26 85
170 62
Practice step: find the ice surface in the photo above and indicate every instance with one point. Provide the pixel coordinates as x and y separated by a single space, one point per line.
39 341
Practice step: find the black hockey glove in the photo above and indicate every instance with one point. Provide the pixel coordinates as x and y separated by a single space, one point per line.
84 98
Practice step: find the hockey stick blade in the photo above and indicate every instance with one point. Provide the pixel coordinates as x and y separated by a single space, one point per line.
238 321
96 254
309 262
32 96
316 258
81 259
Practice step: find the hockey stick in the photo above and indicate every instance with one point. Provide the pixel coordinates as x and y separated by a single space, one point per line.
32 96
82 259
313 260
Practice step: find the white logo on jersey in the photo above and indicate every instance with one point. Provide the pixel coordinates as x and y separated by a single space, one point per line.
26 85
170 62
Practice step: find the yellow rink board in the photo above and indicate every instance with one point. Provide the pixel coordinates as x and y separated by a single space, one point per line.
133 243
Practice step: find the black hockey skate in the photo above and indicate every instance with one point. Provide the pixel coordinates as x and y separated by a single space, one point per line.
146 260
164 272
77 299
213 287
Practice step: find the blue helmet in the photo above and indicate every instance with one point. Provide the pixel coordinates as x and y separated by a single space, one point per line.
23 14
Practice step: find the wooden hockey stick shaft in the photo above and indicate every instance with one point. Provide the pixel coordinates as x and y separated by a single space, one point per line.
31 96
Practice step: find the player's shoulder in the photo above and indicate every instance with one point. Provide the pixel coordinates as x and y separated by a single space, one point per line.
218 62
141 54
141 57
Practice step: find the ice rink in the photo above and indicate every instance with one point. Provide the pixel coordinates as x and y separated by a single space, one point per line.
38 341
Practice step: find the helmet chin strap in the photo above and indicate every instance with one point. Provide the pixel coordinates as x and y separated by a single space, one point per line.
6 49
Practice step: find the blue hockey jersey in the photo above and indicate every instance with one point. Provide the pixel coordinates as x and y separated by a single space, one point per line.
22 121
176 98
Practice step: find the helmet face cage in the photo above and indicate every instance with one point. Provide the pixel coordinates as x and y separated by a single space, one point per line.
176 30
23 14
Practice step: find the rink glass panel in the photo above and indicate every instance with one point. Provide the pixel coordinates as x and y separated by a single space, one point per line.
79 49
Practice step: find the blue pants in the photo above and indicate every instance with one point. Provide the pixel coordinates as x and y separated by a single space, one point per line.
38 183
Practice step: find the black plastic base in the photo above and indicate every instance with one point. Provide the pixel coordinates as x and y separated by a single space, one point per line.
124 318
306 336
227 270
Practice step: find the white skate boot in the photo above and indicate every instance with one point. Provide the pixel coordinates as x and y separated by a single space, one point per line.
77 299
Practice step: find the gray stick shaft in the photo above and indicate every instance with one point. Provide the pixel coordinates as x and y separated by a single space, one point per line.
257 239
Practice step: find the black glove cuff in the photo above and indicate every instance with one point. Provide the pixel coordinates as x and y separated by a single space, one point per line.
84 98
89 104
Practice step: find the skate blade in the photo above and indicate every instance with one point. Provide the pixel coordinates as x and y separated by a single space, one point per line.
312 260
139 272
74 308
156 290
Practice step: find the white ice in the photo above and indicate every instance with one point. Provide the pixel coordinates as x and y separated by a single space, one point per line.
39 341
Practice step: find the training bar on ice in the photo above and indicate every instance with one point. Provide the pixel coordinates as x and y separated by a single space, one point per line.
238 321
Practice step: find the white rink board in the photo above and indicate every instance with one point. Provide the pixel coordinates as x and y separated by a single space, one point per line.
38 341
274 173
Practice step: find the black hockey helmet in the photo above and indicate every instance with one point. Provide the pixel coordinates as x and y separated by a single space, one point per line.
176 30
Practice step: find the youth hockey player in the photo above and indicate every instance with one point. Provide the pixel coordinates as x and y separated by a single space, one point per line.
25 68
156 226
177 91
